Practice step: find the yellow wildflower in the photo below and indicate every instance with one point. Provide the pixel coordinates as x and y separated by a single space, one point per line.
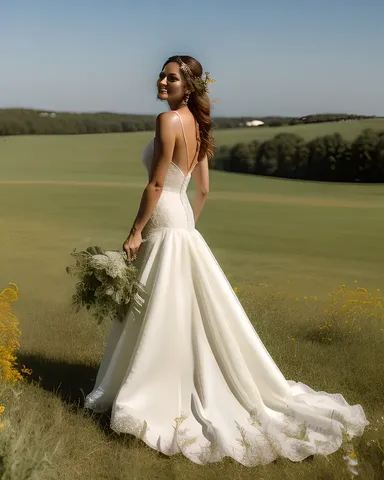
26 370
9 335
2 408
293 339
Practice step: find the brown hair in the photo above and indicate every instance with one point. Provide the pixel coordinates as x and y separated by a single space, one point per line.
200 106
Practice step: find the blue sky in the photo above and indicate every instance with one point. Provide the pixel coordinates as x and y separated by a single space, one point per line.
270 57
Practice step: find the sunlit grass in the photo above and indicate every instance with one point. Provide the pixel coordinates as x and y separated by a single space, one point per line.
276 240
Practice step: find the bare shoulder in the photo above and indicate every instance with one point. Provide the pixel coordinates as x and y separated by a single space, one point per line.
166 119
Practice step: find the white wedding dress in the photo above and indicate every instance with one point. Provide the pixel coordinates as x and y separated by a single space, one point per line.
187 371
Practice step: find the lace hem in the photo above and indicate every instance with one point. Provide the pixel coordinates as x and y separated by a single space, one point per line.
261 441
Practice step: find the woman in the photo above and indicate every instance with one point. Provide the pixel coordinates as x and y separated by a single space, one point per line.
187 371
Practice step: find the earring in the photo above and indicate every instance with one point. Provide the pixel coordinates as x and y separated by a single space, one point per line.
186 98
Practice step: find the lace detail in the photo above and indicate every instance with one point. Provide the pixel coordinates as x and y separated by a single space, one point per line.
260 442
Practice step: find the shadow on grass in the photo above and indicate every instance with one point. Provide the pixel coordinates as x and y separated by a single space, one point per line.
71 382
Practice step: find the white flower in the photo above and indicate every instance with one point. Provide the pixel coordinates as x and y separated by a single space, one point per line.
112 263
99 261
118 297
351 463
116 257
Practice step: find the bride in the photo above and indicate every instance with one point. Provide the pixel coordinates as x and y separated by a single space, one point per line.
187 372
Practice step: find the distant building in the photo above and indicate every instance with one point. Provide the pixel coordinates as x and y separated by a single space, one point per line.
254 123
47 114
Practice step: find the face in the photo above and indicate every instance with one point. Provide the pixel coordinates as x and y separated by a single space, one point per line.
171 85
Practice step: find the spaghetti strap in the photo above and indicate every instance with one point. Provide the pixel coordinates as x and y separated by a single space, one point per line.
186 144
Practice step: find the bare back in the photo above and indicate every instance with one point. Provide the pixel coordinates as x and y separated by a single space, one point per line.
187 143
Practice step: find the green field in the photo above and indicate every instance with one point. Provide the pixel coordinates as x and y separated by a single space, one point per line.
275 239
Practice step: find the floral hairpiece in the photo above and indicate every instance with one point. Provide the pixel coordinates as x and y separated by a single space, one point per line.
195 82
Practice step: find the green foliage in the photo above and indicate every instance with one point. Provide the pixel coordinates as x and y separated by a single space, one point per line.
107 283
327 158
30 122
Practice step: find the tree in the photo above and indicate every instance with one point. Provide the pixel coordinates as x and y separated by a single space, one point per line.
329 158
284 155
379 158
220 161
242 158
364 155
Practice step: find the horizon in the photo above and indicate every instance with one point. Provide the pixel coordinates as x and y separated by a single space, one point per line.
274 59
96 112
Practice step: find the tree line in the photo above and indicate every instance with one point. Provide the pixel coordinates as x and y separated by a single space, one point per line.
31 122
327 158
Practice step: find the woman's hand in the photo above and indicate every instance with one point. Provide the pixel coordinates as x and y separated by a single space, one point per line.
132 244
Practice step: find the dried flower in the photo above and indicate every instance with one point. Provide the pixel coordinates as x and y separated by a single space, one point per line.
107 283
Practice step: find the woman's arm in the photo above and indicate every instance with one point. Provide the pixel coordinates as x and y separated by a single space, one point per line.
200 176
162 157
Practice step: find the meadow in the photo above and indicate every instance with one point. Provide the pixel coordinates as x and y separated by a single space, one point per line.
285 247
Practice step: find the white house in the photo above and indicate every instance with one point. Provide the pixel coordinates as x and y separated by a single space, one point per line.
254 123
47 114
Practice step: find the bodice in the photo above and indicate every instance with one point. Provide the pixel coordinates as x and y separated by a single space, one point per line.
173 209
175 179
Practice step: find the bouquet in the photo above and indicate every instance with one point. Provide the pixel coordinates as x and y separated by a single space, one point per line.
107 285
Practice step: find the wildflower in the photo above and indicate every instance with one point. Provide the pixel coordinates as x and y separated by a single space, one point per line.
2 408
329 339
305 298
326 310
235 289
351 463
378 290
26 370
1 425
297 299
9 342
355 281
293 339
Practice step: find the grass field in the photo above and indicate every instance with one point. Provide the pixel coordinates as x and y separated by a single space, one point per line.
276 240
